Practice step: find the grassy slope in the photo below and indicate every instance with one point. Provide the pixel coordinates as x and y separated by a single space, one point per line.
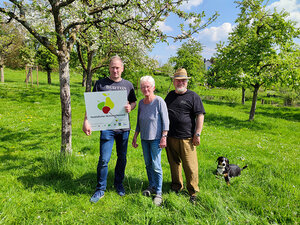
37 186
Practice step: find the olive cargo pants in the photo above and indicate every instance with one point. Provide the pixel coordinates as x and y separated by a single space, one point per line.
182 153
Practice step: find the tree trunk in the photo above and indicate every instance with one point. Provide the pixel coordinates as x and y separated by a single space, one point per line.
28 76
243 95
137 86
65 98
89 73
49 76
2 69
83 78
2 73
254 100
88 87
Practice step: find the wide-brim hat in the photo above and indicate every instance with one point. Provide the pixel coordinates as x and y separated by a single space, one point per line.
180 74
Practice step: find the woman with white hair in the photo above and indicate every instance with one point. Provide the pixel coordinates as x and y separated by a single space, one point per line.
153 125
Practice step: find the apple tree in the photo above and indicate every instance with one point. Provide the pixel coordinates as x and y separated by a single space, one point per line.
56 24
6 41
189 56
260 50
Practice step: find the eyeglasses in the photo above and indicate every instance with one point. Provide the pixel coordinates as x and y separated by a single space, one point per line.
146 87
181 80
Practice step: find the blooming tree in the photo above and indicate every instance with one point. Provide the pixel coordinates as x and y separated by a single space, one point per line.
260 51
96 45
47 60
56 23
6 41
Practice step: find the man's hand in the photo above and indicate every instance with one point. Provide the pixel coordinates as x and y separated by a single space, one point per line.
86 127
163 142
128 108
134 140
134 144
196 140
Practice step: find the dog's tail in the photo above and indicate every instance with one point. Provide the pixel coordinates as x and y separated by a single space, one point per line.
245 167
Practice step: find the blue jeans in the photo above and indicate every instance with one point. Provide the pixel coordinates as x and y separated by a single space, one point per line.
152 157
107 138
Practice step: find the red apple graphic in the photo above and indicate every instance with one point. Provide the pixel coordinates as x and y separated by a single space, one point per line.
105 109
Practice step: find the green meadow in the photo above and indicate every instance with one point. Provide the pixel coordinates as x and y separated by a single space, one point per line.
38 186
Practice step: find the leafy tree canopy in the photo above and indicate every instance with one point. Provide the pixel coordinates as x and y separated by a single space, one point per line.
188 56
261 49
56 23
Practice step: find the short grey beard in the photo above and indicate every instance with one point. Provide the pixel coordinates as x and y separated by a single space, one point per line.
181 90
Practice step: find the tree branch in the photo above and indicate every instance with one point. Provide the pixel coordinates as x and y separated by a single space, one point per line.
80 57
65 3
101 9
42 39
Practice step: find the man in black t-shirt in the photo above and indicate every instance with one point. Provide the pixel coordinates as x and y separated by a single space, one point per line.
186 114
107 137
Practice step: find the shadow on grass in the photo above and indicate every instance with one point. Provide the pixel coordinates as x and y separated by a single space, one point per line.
229 104
29 140
233 123
8 81
32 95
10 162
48 94
64 182
291 114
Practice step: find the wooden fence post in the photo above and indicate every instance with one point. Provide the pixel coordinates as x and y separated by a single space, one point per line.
37 75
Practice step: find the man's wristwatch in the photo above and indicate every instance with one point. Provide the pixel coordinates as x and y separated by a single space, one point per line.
197 135
164 135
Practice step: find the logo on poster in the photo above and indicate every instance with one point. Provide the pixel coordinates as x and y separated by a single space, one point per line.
107 105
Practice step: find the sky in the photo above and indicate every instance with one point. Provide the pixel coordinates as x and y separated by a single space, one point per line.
215 32
218 30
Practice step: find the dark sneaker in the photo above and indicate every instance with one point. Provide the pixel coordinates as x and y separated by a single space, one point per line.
157 200
148 192
120 190
98 195
193 200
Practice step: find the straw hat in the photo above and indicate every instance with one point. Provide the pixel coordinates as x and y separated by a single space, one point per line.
180 74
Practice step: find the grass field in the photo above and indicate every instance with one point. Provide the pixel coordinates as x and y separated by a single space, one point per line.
37 186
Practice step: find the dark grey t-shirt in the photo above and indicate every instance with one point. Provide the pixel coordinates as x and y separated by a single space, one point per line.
107 84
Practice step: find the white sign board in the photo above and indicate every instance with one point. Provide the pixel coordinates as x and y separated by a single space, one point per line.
106 110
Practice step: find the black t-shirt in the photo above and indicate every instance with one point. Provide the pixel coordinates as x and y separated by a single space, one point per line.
107 84
183 109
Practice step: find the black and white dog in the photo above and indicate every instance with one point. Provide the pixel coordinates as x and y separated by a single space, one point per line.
228 170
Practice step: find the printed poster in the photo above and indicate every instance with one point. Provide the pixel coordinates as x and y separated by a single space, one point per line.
106 110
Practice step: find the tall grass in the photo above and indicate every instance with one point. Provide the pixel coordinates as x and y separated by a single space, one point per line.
38 186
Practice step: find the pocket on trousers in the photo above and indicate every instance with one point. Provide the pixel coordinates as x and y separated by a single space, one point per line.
125 135
106 135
